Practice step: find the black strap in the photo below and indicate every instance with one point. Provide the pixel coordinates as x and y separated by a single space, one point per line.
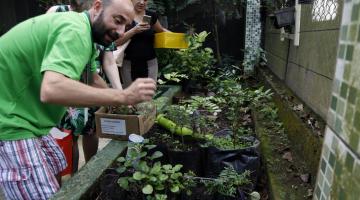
62 8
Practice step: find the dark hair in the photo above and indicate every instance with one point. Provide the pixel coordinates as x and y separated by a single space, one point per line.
81 5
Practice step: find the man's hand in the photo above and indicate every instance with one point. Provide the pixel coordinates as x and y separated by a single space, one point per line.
142 89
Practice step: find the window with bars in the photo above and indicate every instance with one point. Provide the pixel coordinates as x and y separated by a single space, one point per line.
324 10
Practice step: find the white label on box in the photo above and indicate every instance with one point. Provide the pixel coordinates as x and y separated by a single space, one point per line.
113 126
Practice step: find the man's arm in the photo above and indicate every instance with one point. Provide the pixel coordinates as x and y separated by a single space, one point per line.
98 82
58 89
111 70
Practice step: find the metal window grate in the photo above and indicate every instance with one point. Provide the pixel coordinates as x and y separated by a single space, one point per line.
324 10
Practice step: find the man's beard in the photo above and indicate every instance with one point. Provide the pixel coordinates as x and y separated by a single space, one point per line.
99 31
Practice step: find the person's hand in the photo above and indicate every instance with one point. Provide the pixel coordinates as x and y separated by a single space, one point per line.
142 89
140 27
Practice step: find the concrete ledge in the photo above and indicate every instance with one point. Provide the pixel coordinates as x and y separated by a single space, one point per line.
304 141
283 180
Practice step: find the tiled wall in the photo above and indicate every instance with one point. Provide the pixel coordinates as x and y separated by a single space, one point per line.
252 35
339 172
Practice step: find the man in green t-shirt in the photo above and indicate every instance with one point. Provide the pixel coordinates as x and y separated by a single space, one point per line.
41 60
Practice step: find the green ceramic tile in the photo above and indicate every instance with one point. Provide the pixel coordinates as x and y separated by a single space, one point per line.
356 120
341 53
349 114
347 72
352 95
357 174
355 12
329 175
340 108
354 140
342 194
344 90
338 125
325 151
326 189
338 169
332 160
344 30
349 162
331 118
333 103
317 191
335 144
336 86
349 52
353 32
323 165
320 178
358 36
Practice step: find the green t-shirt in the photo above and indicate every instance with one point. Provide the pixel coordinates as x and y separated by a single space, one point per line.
59 42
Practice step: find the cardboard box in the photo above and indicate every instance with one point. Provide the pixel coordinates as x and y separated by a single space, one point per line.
170 40
118 126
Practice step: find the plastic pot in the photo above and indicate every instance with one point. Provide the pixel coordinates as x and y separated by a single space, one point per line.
284 17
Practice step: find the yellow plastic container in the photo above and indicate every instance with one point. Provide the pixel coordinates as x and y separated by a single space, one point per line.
170 40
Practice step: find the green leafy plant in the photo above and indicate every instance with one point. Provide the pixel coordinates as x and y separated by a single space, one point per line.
173 76
179 115
144 108
226 143
194 61
153 179
269 112
227 183
207 104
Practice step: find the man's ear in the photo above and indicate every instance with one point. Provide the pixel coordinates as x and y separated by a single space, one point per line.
97 5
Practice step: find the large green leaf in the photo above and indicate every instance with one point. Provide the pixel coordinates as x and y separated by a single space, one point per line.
167 167
121 159
148 189
175 175
174 189
163 177
156 168
121 169
143 154
177 167
156 154
144 167
138 176
159 187
150 146
123 183
153 179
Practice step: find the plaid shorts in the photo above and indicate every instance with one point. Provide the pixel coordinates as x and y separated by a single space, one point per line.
28 167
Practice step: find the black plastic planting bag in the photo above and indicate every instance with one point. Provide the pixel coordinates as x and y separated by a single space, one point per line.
240 159
110 190
163 149
191 160
239 196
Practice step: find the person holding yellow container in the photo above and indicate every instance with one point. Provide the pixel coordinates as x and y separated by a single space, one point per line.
140 58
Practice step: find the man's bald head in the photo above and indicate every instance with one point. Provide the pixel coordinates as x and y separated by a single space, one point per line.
109 18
